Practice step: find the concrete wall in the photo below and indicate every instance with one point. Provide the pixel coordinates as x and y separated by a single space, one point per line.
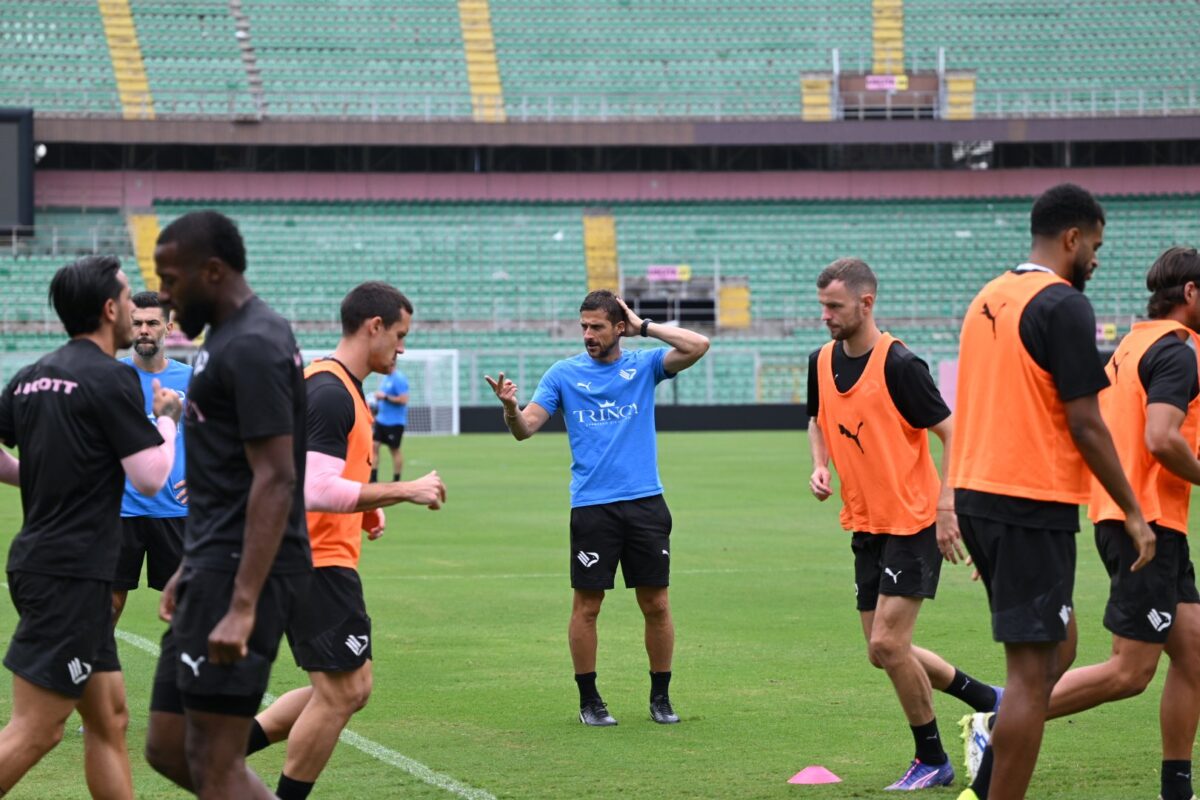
140 189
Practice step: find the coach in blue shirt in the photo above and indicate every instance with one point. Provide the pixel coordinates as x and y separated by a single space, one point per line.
390 419
152 527
618 515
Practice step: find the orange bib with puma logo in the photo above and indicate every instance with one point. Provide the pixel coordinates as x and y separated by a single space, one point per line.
1163 495
1010 426
337 538
886 475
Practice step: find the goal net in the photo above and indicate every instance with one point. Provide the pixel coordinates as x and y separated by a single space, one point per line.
432 389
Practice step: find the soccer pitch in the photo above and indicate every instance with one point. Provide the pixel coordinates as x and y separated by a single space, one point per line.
473 679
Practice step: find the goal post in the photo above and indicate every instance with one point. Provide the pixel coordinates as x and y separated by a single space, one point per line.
433 406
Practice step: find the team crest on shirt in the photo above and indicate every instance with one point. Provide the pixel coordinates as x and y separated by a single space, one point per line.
200 363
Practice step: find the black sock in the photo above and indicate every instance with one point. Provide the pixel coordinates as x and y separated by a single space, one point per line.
258 739
660 684
292 790
587 687
395 476
374 475
929 744
1177 780
978 696
983 778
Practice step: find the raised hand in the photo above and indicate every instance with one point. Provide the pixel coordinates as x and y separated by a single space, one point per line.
633 323
165 402
428 491
505 389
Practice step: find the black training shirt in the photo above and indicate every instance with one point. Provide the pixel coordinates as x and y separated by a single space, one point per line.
908 381
247 384
330 413
1058 330
74 414
1168 372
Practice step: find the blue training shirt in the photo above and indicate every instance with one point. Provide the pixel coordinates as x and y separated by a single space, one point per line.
609 411
390 413
135 504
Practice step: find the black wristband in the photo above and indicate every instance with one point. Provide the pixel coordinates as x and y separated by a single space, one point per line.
646 325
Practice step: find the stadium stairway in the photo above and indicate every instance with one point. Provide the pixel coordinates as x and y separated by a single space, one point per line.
483 73
128 67
887 37
600 251
143 233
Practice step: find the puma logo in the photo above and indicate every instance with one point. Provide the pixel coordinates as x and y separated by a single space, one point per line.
844 431
987 312
194 664
895 576
1116 368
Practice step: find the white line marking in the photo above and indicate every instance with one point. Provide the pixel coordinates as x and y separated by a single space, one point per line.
358 742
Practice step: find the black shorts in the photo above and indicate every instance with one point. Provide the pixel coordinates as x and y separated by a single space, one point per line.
160 540
903 566
1029 575
633 533
391 435
331 631
186 679
1141 605
65 631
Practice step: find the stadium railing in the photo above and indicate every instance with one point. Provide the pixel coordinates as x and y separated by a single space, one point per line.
611 106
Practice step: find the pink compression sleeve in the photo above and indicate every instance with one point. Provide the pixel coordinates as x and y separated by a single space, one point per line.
324 487
149 469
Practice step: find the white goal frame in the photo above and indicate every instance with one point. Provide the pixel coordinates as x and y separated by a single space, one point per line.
433 402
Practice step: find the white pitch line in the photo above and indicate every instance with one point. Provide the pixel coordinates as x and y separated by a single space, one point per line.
359 742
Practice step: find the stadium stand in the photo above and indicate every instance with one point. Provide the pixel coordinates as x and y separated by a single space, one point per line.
28 264
376 58
192 57
53 57
575 58
503 281
1022 50
667 59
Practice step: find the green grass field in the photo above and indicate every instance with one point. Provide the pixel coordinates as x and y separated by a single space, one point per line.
473 677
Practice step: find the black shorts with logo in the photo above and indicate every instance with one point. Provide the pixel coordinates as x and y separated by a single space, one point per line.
903 566
1141 605
1029 575
186 679
160 540
633 533
391 435
331 631
65 631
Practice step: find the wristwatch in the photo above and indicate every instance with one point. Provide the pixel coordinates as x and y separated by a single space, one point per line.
646 325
